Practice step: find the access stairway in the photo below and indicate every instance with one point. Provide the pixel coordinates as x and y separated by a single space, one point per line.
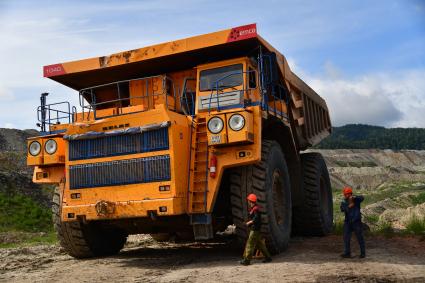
198 181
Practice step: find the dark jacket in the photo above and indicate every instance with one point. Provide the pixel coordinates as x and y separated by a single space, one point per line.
352 215
255 216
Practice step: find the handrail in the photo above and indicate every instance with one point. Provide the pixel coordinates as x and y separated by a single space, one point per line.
122 81
216 89
61 114
184 96
93 105
267 86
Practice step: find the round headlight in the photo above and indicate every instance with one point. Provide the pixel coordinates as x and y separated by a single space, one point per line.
50 146
35 148
236 122
215 125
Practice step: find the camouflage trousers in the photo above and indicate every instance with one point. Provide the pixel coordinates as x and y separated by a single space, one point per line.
255 241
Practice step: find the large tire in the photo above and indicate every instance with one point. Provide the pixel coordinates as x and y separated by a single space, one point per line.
85 240
269 180
314 217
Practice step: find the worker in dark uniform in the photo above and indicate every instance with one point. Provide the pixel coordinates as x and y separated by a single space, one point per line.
353 222
254 239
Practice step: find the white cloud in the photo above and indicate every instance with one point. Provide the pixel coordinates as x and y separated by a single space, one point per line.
391 100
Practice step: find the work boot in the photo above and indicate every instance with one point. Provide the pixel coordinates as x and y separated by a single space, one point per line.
244 262
362 256
346 255
267 259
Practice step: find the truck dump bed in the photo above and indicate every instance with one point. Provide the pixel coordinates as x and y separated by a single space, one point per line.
309 114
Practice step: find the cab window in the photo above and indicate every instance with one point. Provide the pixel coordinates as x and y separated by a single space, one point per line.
223 77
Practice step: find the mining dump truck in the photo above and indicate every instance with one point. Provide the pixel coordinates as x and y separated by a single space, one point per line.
171 138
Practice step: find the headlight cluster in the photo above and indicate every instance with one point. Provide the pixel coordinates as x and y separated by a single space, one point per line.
50 147
35 148
236 122
215 125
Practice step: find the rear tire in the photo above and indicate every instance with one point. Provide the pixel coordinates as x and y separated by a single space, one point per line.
269 180
85 240
314 217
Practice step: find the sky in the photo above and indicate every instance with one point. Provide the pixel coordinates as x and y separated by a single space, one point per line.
366 58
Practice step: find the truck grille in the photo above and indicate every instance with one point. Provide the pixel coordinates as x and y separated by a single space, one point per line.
121 172
119 145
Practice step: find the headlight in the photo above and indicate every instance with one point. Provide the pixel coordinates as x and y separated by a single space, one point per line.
35 148
50 146
215 125
236 122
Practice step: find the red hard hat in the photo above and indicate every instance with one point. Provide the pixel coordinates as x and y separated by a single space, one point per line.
252 197
347 190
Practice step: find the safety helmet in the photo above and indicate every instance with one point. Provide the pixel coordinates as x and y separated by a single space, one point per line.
252 197
347 190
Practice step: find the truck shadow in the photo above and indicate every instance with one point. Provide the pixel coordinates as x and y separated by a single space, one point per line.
168 256
301 251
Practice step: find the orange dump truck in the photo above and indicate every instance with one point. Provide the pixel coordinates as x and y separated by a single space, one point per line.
171 138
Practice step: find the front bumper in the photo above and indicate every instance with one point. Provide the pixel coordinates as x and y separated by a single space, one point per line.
103 210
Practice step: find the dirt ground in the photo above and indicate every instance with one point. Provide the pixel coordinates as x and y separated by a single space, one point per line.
144 260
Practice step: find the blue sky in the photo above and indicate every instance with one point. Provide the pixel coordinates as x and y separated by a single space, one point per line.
366 58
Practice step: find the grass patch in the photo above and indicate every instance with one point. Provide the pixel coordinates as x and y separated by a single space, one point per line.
24 222
357 164
371 218
14 239
390 192
21 213
339 227
416 225
418 199
384 228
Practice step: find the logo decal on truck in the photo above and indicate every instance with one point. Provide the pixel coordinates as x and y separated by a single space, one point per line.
243 32
53 70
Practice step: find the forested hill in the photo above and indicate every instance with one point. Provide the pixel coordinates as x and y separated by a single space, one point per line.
358 136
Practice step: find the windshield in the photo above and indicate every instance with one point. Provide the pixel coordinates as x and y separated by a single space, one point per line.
233 77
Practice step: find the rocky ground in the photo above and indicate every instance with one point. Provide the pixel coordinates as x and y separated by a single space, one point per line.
144 260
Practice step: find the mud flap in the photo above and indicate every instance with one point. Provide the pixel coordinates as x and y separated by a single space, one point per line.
202 226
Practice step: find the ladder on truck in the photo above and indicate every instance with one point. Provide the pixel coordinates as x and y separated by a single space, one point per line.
198 181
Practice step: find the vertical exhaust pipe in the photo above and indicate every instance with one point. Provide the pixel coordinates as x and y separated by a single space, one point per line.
43 100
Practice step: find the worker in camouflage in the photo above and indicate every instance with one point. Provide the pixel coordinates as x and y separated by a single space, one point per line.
254 239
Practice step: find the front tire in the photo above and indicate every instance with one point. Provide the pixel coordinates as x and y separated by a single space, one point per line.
269 180
85 240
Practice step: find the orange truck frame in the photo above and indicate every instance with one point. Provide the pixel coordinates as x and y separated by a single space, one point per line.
171 138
